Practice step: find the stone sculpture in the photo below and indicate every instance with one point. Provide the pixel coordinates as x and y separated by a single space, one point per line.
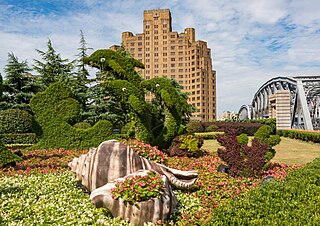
113 160
98 170
151 210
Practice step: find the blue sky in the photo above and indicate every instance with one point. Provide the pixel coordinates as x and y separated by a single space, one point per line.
251 41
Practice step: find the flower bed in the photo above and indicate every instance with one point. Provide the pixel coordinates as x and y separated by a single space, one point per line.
48 186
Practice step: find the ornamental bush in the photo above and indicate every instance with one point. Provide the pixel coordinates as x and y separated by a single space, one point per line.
263 135
6 156
243 160
15 121
55 111
187 145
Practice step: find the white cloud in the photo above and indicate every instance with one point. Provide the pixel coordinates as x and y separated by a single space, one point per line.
251 41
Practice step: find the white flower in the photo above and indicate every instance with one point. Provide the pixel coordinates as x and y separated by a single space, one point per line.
102 59
157 85
123 89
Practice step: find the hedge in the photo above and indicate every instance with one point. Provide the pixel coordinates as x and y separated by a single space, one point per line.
19 138
301 135
55 111
248 128
15 121
294 201
208 135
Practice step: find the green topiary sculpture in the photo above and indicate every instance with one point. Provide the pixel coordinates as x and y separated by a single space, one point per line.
55 110
156 122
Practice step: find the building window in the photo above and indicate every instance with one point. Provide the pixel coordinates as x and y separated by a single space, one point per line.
173 59
164 71
131 44
147 60
180 59
173 71
156 54
139 37
172 53
180 76
172 41
180 53
173 76
164 31
147 49
156 43
165 65
147 26
155 26
180 70
147 37
164 48
172 36
155 37
164 25
132 50
139 55
155 48
156 60
139 43
180 65
156 66
173 65
156 71
147 32
164 54
155 31
147 72
164 37
147 54
139 49
164 42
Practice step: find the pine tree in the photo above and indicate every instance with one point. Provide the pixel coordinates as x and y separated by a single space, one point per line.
81 81
1 86
19 85
53 68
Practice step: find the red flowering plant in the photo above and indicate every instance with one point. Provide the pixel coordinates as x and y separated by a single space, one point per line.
139 188
147 151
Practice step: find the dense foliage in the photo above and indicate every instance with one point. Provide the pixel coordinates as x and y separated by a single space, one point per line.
6 156
186 145
19 138
242 159
294 201
19 85
55 111
53 68
139 188
15 121
248 128
308 136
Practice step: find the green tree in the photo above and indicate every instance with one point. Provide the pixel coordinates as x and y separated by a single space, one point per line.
19 85
1 86
53 68
81 83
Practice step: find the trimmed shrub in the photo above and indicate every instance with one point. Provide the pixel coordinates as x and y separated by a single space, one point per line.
208 135
242 160
186 145
7 157
263 135
82 125
301 135
193 127
294 201
55 109
243 139
211 128
241 127
15 121
19 138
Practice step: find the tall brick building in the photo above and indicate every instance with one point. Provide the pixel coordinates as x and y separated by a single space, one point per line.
166 53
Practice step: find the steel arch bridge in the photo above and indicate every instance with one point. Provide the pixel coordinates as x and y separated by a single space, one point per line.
304 100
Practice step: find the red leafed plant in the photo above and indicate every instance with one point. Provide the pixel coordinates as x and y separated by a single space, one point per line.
242 159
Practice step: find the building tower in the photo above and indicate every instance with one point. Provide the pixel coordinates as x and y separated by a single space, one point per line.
166 53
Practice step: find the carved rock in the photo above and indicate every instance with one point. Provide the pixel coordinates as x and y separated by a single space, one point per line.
112 160
151 210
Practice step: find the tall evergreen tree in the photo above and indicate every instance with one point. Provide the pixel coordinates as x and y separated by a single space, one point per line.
1 86
81 81
19 85
53 68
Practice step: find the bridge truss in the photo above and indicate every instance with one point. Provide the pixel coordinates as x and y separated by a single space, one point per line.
304 100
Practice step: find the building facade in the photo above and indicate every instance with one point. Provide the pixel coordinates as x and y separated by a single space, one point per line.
166 53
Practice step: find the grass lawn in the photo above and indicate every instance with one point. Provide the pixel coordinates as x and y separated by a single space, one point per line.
289 151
